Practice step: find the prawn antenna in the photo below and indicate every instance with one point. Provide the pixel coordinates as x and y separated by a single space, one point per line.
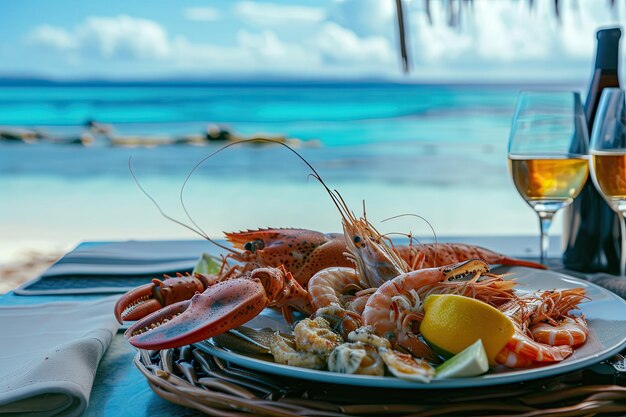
425 221
403 234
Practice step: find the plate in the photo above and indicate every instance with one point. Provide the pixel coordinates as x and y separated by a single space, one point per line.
605 313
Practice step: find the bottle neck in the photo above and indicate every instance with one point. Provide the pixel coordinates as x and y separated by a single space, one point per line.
601 79
606 70
607 56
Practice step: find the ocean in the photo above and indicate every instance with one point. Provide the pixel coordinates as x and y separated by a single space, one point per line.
437 151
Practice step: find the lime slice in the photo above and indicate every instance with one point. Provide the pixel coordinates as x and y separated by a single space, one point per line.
470 362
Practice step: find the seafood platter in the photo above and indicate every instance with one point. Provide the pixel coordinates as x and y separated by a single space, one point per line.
368 332
357 308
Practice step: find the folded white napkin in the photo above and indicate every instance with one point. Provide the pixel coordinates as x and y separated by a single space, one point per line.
49 354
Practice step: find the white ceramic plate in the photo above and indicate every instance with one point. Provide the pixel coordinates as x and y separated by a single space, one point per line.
605 313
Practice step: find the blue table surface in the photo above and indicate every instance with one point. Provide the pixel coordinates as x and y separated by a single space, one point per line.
119 388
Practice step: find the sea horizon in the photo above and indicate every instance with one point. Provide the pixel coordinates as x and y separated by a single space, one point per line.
287 81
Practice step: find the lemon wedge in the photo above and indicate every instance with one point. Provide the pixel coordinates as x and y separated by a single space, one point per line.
452 323
472 361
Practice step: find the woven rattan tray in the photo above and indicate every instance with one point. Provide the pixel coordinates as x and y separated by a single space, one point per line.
193 378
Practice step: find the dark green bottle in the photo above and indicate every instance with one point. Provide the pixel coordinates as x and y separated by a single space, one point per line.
591 228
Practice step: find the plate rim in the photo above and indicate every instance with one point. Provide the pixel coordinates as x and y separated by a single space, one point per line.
528 374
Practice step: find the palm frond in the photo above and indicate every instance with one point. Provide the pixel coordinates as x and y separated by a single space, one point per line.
402 36
454 10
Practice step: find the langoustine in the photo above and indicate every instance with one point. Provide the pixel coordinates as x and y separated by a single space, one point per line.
534 311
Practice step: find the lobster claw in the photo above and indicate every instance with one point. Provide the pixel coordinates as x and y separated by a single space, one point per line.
136 303
146 299
221 307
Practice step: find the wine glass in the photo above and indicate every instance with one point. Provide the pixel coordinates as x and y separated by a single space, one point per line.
548 154
608 157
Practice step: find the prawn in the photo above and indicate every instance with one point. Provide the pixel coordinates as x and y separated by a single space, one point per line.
396 305
531 310
570 331
330 292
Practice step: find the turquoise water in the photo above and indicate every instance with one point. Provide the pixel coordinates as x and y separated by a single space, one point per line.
338 114
437 151
366 123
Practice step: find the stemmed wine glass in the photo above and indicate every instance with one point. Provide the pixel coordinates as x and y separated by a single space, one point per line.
548 153
608 157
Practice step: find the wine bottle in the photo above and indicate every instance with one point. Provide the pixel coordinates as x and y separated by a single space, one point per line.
591 228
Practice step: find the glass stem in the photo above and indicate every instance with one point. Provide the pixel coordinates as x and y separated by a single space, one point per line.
622 260
545 220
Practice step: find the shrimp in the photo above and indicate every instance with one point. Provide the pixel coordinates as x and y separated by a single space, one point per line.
358 303
330 292
393 309
533 309
334 286
570 331
375 261
511 359
492 290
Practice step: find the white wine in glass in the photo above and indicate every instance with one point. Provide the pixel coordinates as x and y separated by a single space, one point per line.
608 157
548 154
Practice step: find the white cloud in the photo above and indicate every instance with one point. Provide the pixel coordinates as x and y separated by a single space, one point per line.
124 36
366 17
109 37
271 14
340 45
509 40
331 49
202 14
51 36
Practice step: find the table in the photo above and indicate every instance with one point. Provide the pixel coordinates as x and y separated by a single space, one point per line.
119 388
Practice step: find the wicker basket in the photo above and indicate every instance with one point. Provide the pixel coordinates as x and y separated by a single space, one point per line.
193 378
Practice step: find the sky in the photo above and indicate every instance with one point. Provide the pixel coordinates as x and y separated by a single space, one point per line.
496 40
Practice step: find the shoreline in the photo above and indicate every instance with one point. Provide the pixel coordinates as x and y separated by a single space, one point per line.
26 265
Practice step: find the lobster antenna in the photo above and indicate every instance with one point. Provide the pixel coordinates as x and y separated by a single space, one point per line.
132 173
336 200
425 220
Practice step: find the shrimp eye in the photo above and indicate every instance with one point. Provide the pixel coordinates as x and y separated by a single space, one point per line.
356 239
248 246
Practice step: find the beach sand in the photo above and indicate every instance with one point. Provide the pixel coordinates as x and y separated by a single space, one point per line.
26 265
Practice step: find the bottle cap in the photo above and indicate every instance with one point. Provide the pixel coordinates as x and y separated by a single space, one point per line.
607 57
608 33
